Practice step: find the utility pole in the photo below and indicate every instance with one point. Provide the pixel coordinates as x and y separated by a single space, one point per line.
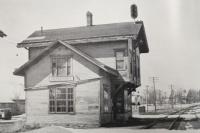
147 86
154 79
181 97
172 95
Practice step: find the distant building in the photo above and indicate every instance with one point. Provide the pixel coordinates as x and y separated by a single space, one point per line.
20 106
8 105
17 107
82 75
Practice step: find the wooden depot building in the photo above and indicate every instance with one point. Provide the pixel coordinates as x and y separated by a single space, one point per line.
82 75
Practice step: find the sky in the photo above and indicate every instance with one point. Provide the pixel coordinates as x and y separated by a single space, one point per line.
172 29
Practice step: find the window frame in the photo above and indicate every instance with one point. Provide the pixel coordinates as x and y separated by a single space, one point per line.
116 60
66 100
68 66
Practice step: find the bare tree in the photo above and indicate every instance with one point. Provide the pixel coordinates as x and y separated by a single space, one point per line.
179 96
192 96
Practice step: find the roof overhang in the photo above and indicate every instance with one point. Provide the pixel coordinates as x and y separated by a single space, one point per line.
78 41
142 39
139 36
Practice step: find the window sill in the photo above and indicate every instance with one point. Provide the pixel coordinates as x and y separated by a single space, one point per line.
62 113
121 69
63 78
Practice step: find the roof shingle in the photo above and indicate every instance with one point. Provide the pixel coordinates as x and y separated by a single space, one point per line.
84 32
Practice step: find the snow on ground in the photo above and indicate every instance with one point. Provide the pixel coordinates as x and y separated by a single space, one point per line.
14 119
189 115
51 129
186 116
59 129
149 116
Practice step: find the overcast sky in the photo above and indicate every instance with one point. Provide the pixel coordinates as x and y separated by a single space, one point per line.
172 28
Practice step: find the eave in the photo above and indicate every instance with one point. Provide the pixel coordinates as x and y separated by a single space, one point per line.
78 41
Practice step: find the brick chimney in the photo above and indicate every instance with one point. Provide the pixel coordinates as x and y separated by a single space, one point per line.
89 18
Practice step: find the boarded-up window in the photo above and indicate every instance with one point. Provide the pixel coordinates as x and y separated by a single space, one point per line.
61 66
61 100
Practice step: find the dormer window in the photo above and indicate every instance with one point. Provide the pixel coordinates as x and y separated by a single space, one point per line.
61 66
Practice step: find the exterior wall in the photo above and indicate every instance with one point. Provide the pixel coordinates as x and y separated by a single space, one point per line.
87 94
39 75
134 62
86 106
35 51
105 53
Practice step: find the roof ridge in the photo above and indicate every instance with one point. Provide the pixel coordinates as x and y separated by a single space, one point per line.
72 27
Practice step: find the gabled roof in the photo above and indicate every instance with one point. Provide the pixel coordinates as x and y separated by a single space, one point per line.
104 30
21 70
84 32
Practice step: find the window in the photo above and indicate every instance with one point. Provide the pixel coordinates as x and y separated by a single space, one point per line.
61 66
61 100
120 60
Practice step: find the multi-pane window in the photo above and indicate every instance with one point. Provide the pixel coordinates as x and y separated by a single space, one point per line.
61 66
120 60
61 100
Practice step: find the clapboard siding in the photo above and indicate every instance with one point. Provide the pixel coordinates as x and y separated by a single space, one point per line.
39 74
35 51
86 106
103 52
89 97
